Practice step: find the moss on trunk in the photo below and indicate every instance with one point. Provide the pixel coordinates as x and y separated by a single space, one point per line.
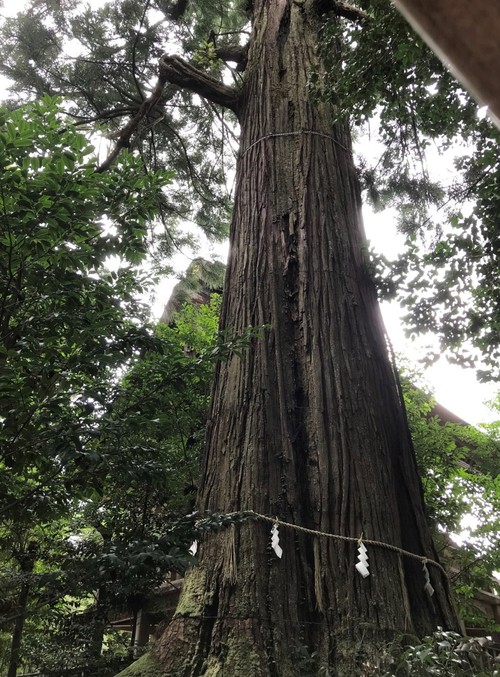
146 666
194 595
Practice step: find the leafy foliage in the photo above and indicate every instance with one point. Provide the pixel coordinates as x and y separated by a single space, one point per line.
444 653
113 55
388 83
102 416
460 302
396 90
67 323
63 334
460 470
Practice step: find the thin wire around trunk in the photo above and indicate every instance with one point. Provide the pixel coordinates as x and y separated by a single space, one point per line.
299 133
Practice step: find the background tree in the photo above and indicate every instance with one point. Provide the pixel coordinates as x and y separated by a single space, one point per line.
201 280
95 467
446 277
458 465
67 324
101 414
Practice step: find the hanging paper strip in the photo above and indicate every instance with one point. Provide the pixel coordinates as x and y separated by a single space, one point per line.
362 564
275 540
427 587
194 548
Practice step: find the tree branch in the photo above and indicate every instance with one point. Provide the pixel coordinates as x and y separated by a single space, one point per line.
343 9
178 72
177 10
185 75
347 11
147 105
172 9
236 53
134 49
105 115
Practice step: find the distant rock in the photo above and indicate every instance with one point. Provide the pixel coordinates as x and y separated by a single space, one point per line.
202 279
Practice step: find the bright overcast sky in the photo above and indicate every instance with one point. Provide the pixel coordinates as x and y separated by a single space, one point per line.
455 388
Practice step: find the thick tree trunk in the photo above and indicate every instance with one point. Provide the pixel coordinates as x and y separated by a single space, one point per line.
308 424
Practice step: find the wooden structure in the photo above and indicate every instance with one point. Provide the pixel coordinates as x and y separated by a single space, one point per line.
158 607
486 602
465 36
161 604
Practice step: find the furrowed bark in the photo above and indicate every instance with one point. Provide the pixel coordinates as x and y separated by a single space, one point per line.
307 424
